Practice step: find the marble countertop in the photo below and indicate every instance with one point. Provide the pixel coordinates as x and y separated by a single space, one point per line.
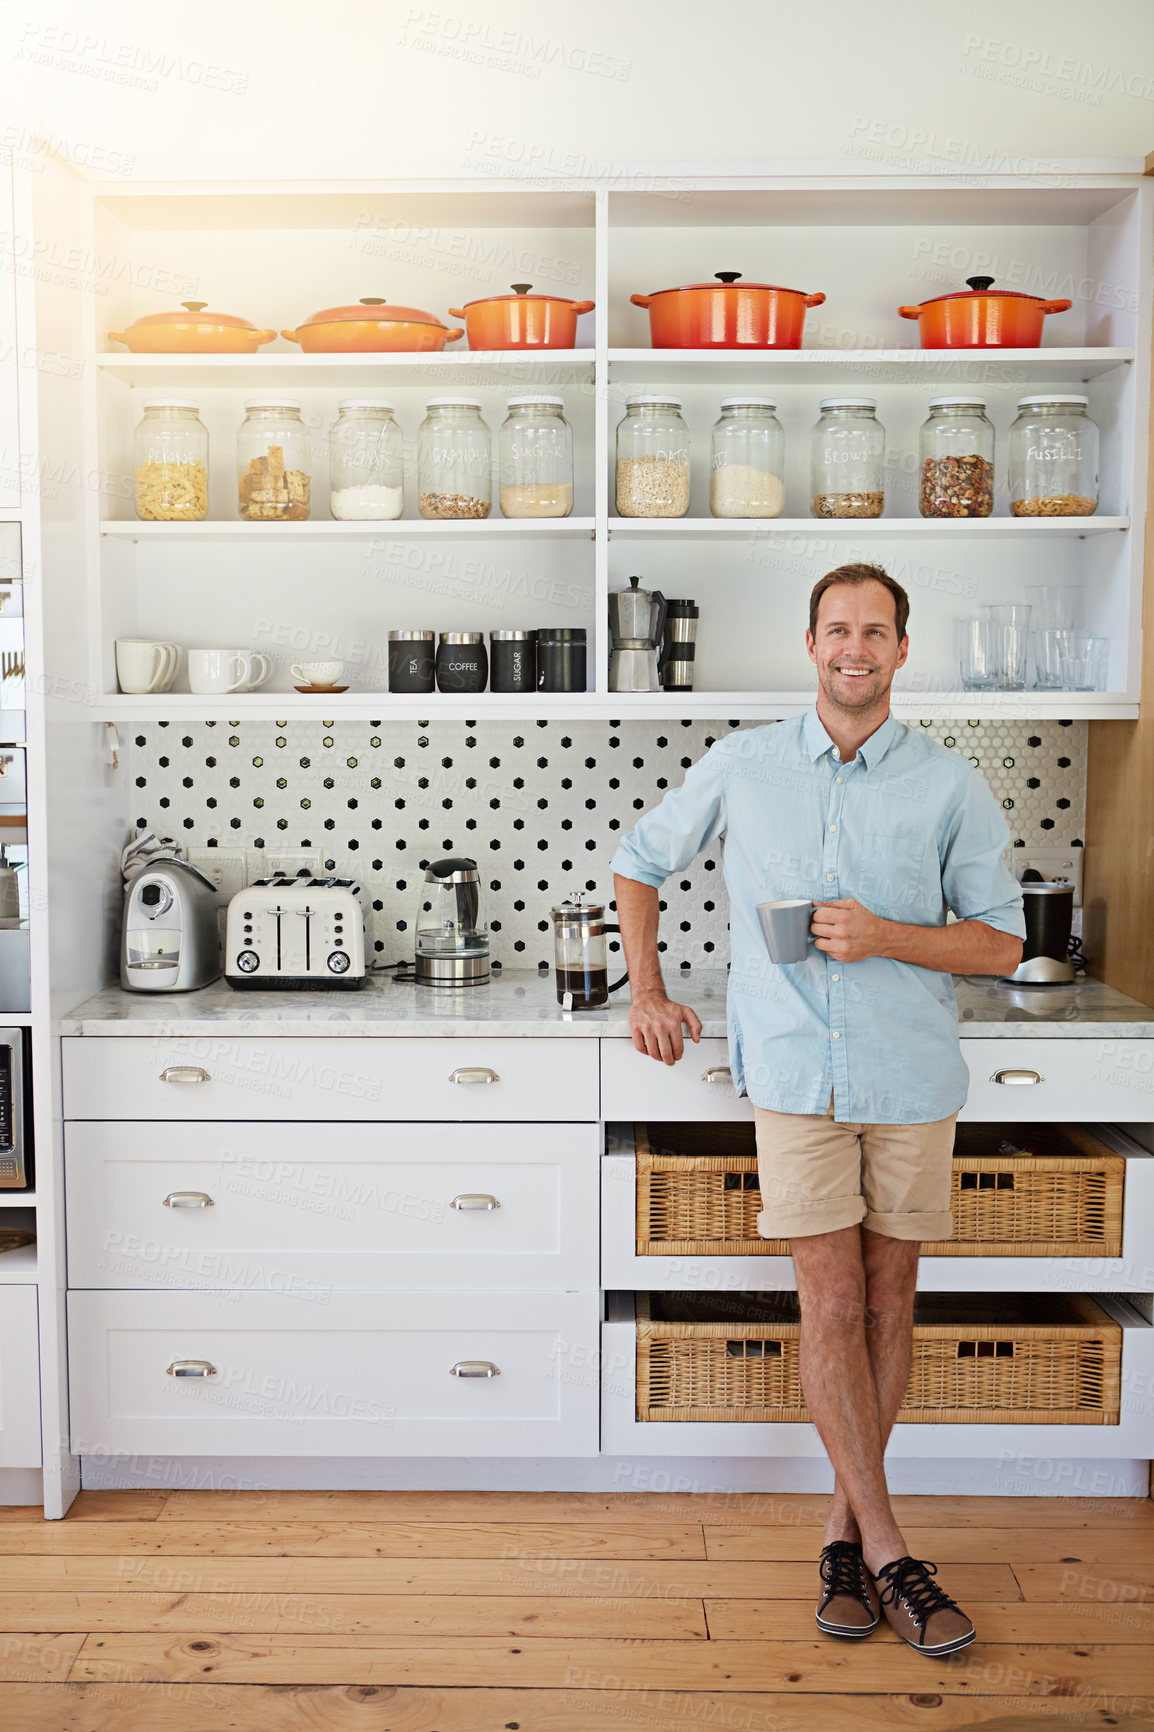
521 1002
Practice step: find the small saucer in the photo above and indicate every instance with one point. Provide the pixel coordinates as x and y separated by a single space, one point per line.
324 691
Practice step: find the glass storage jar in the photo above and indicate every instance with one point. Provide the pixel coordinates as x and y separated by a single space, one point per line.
956 454
536 459
652 458
170 461
1053 458
366 461
454 460
273 461
747 461
848 451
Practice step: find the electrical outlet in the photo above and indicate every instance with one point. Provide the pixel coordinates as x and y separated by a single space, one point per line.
225 866
1052 863
263 862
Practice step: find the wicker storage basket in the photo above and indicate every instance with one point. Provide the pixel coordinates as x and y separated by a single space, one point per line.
1059 1195
985 1358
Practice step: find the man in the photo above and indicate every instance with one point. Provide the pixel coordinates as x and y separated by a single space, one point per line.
851 1057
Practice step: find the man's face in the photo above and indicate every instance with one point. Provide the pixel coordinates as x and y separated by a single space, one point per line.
856 648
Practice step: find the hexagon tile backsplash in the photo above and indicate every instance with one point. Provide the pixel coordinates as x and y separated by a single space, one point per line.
541 805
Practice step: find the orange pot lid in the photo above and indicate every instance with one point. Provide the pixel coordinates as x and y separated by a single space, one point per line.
980 287
726 280
372 309
193 313
521 293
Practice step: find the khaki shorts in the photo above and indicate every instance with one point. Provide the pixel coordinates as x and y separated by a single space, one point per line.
818 1175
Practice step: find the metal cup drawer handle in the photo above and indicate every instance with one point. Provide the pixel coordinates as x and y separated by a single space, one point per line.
718 1074
1017 1077
474 1200
474 1368
188 1200
192 1368
184 1073
477 1073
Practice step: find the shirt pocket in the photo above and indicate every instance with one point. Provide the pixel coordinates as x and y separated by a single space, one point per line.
893 878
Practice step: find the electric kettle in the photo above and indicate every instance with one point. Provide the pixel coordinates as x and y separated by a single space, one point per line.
637 621
452 935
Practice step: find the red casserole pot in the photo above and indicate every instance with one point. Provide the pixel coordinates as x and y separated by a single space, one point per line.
728 314
983 318
521 320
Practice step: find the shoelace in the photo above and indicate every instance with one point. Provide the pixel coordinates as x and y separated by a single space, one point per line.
909 1580
842 1572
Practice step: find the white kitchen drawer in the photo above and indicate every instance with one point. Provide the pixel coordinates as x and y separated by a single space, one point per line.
364 1375
634 1086
1060 1079
19 1378
302 1209
226 1076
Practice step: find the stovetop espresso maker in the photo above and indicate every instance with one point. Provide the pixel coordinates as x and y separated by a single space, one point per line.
637 621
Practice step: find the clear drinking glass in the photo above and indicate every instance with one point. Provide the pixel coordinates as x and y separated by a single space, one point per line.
975 646
1057 607
1081 660
1009 643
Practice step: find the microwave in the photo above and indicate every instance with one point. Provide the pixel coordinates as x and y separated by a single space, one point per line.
15 1120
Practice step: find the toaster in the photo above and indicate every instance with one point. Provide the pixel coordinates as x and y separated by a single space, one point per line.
297 933
169 940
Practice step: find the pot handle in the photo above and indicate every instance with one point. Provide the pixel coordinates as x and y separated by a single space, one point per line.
118 337
457 313
910 312
453 336
641 300
814 300
585 306
263 337
291 335
1056 306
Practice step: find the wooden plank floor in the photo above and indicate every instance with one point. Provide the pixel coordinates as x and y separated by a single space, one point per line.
553 1612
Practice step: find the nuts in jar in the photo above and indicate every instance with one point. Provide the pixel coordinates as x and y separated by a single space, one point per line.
957 487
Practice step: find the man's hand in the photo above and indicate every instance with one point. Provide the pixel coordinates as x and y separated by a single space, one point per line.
655 1023
848 932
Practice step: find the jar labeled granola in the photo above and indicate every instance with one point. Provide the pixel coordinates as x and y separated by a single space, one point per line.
1053 458
170 460
273 462
454 460
652 458
536 459
956 449
848 459
747 460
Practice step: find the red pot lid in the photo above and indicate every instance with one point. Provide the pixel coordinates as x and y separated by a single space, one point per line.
193 313
726 279
980 286
372 308
521 293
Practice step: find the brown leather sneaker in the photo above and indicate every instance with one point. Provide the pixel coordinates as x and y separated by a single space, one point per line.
849 1603
921 1612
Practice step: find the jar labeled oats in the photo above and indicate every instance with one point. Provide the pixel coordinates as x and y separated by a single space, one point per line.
1053 458
652 458
454 460
747 460
170 460
848 459
956 449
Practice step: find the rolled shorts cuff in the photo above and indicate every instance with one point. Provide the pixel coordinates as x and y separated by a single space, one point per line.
924 1226
823 1215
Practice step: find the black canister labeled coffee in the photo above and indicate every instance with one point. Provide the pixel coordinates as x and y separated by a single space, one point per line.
512 661
411 661
561 659
462 664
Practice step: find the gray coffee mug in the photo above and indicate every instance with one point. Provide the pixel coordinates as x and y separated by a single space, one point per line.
785 927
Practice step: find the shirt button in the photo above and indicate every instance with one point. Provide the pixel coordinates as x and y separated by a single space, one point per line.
829 877
839 778
836 1035
835 976
833 826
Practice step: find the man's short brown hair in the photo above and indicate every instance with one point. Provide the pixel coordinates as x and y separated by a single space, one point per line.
855 575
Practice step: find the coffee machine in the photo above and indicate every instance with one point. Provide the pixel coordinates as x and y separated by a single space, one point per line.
1049 909
637 621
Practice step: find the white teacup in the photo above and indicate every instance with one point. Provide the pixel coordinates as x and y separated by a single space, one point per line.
222 670
316 673
145 665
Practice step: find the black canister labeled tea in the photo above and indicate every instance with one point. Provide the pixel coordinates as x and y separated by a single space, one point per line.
512 661
462 665
411 661
561 659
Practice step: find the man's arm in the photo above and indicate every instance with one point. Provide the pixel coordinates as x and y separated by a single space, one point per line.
655 1020
849 933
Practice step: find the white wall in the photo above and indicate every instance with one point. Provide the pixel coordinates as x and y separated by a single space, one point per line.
384 87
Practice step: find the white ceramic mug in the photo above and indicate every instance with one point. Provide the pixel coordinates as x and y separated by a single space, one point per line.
221 670
144 664
316 673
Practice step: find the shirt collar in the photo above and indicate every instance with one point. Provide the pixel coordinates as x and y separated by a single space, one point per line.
818 742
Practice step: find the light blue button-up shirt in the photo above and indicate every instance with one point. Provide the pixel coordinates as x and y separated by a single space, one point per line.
909 830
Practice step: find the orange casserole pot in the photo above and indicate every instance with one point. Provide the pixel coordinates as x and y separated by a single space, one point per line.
982 318
521 320
728 314
192 332
372 327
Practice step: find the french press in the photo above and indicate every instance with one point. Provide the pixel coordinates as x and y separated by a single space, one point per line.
581 955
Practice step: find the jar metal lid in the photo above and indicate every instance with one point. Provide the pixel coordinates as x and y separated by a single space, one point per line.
848 403
749 402
172 403
272 403
957 403
561 634
462 637
452 403
1051 397
652 397
411 636
555 402
511 636
365 403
